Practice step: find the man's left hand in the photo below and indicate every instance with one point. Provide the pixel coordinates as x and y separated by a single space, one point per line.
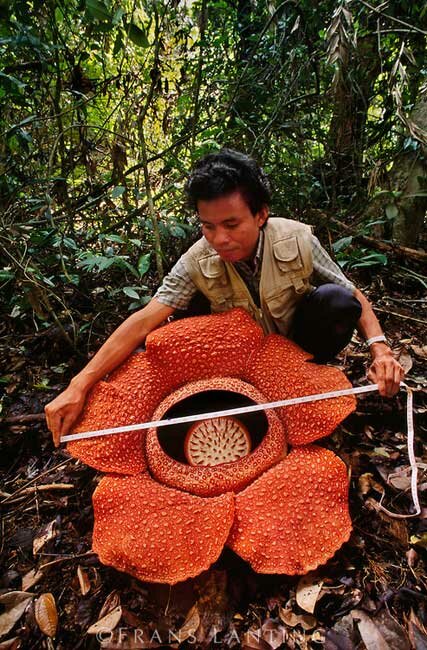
386 371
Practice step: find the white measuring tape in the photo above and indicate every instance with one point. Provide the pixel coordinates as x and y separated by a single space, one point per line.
273 405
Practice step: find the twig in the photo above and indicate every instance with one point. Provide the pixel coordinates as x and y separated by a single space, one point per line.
48 471
396 20
395 313
19 419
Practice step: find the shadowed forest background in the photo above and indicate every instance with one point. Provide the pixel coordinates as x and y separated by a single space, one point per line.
104 107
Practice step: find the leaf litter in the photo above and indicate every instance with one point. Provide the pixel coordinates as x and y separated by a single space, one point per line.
371 594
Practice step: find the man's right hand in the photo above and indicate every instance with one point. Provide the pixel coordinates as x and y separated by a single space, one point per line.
63 411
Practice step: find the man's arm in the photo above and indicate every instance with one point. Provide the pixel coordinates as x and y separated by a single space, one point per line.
64 410
384 370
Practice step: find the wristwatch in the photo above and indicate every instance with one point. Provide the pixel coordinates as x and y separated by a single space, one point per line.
376 339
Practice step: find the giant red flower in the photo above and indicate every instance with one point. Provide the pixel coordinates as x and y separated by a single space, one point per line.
175 496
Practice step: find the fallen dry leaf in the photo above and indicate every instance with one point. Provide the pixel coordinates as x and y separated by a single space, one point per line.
308 590
111 602
273 633
307 621
417 632
398 528
364 483
107 623
419 540
15 603
412 558
381 632
213 606
31 578
46 614
405 361
84 581
252 639
420 350
190 625
45 535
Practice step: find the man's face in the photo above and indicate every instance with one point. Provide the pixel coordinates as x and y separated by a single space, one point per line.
230 227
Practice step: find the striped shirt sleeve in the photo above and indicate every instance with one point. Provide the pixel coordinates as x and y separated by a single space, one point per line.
325 270
177 288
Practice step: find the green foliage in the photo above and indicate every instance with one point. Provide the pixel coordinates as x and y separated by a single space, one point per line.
87 85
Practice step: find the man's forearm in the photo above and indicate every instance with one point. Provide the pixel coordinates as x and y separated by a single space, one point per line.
368 324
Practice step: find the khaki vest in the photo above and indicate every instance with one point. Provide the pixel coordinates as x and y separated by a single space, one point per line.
287 265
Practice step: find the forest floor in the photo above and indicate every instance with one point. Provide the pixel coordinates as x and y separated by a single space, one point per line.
371 594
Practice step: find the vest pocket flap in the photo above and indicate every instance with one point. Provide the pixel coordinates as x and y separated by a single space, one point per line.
286 250
212 267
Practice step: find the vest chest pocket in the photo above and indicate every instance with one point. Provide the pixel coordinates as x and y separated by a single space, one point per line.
216 281
287 254
213 271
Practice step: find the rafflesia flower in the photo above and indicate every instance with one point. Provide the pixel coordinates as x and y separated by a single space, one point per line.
175 496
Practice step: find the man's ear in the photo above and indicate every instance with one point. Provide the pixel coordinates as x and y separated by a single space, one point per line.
262 215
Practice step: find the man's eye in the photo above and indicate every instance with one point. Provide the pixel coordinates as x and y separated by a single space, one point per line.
230 226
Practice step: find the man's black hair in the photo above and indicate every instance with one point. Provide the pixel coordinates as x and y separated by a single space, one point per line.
219 174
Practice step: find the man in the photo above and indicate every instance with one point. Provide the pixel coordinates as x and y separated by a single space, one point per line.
274 268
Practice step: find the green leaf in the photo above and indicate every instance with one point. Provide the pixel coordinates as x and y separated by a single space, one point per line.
137 35
371 260
69 243
104 263
117 191
12 80
130 291
391 211
177 231
118 15
6 275
114 238
144 264
118 43
341 244
98 10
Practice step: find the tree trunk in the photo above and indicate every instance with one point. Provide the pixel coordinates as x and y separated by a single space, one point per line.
409 176
346 141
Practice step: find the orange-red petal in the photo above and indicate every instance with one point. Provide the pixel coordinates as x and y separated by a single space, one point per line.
205 346
143 380
155 533
295 516
281 370
108 407
130 396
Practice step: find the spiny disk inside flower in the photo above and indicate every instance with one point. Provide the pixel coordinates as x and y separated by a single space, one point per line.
216 441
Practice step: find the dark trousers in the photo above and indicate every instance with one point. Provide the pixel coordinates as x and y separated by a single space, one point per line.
324 321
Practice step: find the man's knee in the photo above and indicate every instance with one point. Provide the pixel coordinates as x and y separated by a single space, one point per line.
336 302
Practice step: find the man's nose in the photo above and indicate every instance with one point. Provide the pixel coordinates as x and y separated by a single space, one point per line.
221 238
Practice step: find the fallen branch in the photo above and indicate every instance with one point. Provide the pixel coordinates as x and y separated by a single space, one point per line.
420 256
46 487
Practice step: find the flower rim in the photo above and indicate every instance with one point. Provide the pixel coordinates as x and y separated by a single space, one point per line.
217 479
